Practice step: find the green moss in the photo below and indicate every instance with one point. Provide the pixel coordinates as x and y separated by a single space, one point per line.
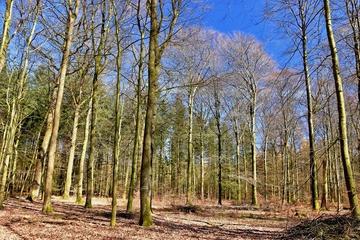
47 208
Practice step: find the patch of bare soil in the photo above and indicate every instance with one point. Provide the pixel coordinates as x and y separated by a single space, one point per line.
22 219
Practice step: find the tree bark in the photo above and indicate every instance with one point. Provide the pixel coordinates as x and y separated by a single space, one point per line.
344 149
135 154
219 138
79 189
47 208
70 164
312 155
98 68
253 150
190 146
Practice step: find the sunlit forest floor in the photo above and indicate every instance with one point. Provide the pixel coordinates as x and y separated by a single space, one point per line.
22 219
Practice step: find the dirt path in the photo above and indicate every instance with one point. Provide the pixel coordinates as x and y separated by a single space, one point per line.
23 220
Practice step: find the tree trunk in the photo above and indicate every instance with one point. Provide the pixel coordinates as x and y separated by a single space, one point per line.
118 120
253 150
70 165
153 73
219 136
47 208
238 177
135 154
98 68
312 156
349 178
265 167
79 189
202 170
190 146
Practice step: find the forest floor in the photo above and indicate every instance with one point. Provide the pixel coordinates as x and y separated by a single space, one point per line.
21 219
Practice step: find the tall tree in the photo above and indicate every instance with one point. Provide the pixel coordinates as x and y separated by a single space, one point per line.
72 13
98 45
140 71
118 108
343 138
156 51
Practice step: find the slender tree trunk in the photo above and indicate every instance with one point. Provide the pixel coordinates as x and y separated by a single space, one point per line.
253 150
265 167
219 137
98 68
135 154
238 177
313 166
70 165
327 159
190 146
118 121
79 189
202 170
13 168
57 112
349 178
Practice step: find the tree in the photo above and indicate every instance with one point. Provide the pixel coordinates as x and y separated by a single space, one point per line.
138 116
156 51
118 108
72 13
98 46
250 64
344 149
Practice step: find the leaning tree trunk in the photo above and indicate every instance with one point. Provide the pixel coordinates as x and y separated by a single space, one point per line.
47 208
344 149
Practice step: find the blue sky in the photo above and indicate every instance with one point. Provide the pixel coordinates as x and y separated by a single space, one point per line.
246 16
